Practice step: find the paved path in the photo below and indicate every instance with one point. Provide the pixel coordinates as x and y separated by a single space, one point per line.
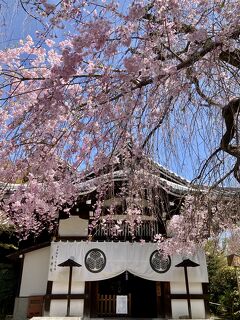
80 318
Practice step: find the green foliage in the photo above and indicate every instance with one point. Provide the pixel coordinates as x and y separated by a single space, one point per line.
8 246
222 285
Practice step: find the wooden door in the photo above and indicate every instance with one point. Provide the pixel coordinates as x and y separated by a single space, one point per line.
164 308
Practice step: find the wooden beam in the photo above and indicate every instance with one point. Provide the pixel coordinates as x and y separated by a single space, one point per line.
68 238
191 296
64 296
17 254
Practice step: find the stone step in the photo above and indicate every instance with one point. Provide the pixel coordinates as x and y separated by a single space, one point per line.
81 318
56 318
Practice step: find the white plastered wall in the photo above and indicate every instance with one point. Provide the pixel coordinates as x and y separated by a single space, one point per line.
179 306
58 308
62 287
73 226
35 272
175 276
180 287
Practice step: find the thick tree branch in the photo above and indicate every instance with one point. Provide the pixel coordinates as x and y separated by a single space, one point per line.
207 47
228 113
195 81
232 58
206 164
222 178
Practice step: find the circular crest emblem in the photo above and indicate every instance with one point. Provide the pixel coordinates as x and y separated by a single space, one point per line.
160 262
95 260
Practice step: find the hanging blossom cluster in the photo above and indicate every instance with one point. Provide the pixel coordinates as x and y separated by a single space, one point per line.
158 72
35 203
202 217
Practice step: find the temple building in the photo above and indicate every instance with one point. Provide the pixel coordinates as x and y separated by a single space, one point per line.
97 267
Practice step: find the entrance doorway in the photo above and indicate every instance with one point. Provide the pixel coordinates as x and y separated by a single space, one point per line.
140 297
144 300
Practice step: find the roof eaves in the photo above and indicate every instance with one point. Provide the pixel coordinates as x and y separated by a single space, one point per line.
16 254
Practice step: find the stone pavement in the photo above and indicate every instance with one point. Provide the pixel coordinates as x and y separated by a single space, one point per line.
80 318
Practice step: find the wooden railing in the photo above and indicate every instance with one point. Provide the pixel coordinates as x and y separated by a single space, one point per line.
144 230
106 305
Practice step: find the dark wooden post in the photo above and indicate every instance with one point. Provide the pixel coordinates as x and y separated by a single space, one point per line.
167 300
206 299
188 293
185 264
69 263
87 295
69 291
47 301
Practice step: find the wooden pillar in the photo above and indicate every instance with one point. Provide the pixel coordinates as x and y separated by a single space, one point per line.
206 299
87 302
167 300
158 299
69 291
47 301
188 294
90 300
164 306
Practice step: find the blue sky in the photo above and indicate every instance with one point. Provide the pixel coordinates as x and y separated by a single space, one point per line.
15 24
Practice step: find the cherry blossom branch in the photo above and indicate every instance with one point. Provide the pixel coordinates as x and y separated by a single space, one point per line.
195 81
232 58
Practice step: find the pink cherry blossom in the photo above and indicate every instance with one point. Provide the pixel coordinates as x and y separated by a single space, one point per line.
159 74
